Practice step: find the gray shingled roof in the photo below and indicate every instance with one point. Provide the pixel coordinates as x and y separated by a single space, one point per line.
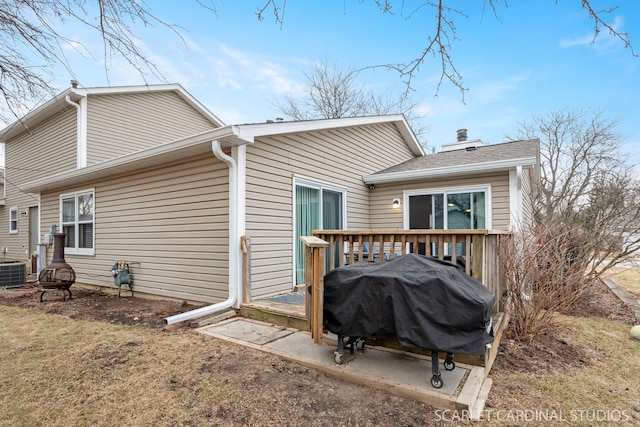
483 154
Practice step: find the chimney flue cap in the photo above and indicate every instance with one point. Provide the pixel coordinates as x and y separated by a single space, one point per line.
462 135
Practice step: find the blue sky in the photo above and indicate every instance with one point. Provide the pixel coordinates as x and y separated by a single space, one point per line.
536 57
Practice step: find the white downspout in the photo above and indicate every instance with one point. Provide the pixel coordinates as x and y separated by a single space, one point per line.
234 243
81 131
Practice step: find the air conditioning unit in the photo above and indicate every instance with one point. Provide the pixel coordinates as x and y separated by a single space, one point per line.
13 274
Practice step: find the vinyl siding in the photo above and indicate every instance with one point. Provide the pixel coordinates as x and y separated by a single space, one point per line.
385 217
335 157
124 123
173 220
47 148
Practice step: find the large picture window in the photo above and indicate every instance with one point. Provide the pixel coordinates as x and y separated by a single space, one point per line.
78 222
317 207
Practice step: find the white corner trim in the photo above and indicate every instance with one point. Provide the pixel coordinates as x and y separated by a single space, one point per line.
515 198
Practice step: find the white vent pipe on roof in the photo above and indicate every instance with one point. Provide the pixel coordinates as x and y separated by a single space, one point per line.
234 242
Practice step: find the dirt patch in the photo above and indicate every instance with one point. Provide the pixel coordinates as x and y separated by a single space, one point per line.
95 305
600 301
549 352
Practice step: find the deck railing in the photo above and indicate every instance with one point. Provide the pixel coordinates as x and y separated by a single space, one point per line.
477 250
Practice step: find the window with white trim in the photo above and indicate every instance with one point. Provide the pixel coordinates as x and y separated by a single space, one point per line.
13 220
461 208
77 220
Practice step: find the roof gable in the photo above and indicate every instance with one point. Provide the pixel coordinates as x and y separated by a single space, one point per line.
479 159
252 130
58 103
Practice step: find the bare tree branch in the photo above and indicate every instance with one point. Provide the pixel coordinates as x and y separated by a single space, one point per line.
599 23
587 182
332 92
440 36
31 41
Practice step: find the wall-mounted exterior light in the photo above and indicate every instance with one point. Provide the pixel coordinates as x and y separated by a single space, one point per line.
396 203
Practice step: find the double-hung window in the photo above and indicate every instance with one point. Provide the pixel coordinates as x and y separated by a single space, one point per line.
13 220
78 216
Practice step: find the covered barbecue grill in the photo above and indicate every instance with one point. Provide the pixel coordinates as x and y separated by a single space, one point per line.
419 301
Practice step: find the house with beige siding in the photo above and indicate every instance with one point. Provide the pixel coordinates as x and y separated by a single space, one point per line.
468 185
212 213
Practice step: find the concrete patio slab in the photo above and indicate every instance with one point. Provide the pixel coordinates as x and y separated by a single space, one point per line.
255 333
389 370
406 370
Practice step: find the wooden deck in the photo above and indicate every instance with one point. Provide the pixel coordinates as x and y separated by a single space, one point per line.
480 253
479 248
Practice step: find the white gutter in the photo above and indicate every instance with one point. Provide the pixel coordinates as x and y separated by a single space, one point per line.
81 130
234 245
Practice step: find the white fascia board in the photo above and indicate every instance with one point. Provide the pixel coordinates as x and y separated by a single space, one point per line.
442 172
279 128
44 111
197 144
111 90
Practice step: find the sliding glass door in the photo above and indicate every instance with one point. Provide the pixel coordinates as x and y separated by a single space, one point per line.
316 208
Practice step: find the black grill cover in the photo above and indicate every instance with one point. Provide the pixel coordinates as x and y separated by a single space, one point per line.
422 302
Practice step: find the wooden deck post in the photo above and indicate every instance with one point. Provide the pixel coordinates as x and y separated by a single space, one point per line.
477 266
314 265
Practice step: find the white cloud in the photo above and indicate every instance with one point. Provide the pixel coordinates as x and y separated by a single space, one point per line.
424 109
221 73
494 90
603 42
580 41
266 74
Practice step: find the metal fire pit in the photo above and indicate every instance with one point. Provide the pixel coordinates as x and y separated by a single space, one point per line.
58 274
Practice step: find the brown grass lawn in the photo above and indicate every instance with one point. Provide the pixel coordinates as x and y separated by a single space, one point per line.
627 278
57 370
605 388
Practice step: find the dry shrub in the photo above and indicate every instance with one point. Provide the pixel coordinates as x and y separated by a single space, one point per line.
545 273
